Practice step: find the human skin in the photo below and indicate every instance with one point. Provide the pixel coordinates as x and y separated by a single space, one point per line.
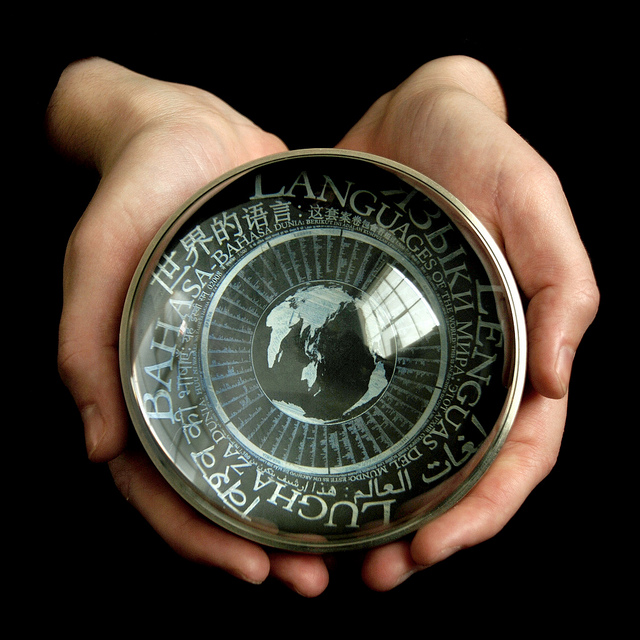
156 143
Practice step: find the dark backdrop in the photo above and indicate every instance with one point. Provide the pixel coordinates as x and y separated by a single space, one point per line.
85 556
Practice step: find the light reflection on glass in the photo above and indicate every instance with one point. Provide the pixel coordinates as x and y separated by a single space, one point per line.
396 314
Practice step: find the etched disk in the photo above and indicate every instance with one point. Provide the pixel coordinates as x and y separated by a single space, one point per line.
323 350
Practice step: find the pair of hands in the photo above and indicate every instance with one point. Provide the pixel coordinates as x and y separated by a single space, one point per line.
155 143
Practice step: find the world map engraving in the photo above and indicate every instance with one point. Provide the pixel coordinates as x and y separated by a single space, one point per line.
318 364
322 342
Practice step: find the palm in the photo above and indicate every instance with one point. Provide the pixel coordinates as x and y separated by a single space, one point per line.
449 136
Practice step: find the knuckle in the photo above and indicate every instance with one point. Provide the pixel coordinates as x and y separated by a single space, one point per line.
587 297
69 360
583 301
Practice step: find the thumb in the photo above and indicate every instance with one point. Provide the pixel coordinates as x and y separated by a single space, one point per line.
554 271
94 289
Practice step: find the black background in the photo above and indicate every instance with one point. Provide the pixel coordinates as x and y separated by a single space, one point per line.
86 559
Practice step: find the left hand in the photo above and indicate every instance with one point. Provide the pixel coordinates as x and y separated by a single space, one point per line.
448 121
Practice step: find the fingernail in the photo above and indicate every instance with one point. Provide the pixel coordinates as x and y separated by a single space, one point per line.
247 579
564 365
443 554
408 574
93 428
446 553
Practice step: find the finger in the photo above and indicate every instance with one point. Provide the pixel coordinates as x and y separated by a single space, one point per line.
307 575
88 335
526 458
557 318
91 375
388 566
185 531
550 262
